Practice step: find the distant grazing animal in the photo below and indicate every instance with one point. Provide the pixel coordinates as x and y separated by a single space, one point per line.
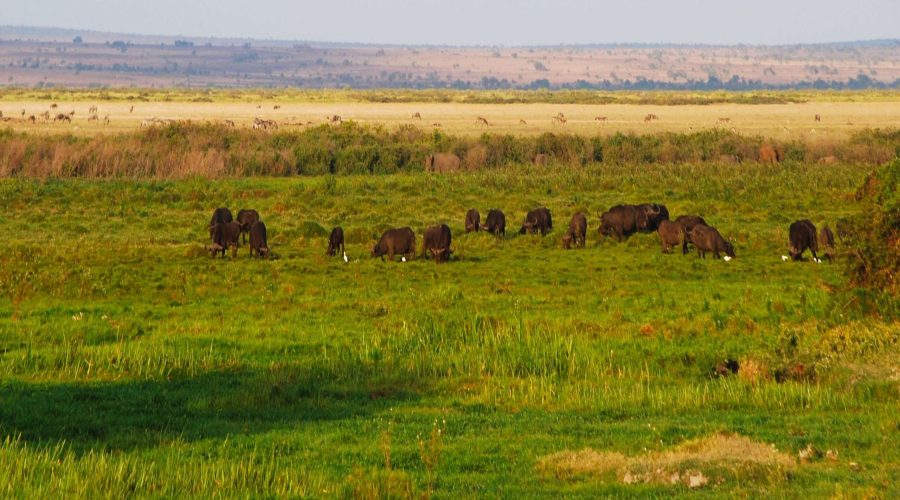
687 223
32 119
473 220
131 110
442 162
536 220
228 123
620 221
277 106
224 235
258 242
399 241
45 115
416 116
559 119
246 218
539 159
802 234
72 113
818 117
768 154
335 119
523 122
723 120
601 119
826 239
650 117
708 239
437 241
93 118
670 235
482 121
92 110
62 117
335 241
650 215
577 233
259 123
435 124
220 215
106 119
53 106
495 223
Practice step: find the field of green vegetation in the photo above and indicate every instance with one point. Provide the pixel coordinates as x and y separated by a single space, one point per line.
133 364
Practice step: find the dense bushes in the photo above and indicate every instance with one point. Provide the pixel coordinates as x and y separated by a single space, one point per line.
184 150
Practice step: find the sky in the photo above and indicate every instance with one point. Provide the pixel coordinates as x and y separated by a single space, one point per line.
476 22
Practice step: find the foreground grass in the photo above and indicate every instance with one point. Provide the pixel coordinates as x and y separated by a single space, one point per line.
133 364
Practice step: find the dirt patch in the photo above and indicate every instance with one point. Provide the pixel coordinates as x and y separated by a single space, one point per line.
693 464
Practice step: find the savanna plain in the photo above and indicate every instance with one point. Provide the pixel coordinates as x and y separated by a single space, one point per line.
133 364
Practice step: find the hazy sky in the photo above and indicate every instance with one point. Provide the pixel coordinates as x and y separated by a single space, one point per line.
476 22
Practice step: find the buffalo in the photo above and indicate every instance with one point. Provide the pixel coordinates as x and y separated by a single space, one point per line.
538 219
442 162
670 235
224 235
708 239
620 221
220 216
473 220
496 222
687 223
396 241
258 241
437 241
768 154
246 218
335 241
802 234
650 215
826 238
577 232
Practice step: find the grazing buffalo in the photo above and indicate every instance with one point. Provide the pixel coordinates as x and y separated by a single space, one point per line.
539 159
246 218
620 221
258 241
803 236
437 241
220 216
496 222
577 233
396 241
826 239
768 154
670 235
335 241
650 215
224 235
708 239
687 223
442 162
538 219
473 220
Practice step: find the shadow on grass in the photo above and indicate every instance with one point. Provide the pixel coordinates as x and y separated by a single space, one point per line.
135 414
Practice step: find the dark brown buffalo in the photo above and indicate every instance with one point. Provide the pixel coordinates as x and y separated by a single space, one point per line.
577 233
473 220
620 221
708 239
650 215
687 223
398 241
437 241
496 222
220 216
335 241
246 218
258 241
826 239
802 234
670 235
224 235
538 219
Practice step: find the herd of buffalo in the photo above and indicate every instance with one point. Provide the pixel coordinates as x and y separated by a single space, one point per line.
620 222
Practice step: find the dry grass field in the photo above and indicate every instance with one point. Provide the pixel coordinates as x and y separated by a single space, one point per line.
794 121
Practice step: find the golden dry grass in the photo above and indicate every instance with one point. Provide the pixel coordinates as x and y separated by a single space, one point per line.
693 463
779 121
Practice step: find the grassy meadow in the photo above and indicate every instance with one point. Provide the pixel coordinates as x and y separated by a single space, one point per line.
133 364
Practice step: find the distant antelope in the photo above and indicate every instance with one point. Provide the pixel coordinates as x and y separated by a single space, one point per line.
435 124
53 106
560 115
131 110
106 120
818 117
277 106
523 122
650 117
416 116
559 119
482 121
259 106
335 119
723 120
601 119
228 123
32 119
92 110
264 124
93 118
62 116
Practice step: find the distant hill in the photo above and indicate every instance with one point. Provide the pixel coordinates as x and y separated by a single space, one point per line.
51 57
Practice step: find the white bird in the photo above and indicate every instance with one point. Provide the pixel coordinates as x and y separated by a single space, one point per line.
818 261
345 257
402 259
784 258
726 258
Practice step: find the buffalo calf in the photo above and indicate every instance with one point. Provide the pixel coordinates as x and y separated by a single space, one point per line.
335 241
687 223
577 232
473 220
670 235
258 241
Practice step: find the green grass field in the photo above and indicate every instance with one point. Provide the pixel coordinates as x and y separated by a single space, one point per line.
133 364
